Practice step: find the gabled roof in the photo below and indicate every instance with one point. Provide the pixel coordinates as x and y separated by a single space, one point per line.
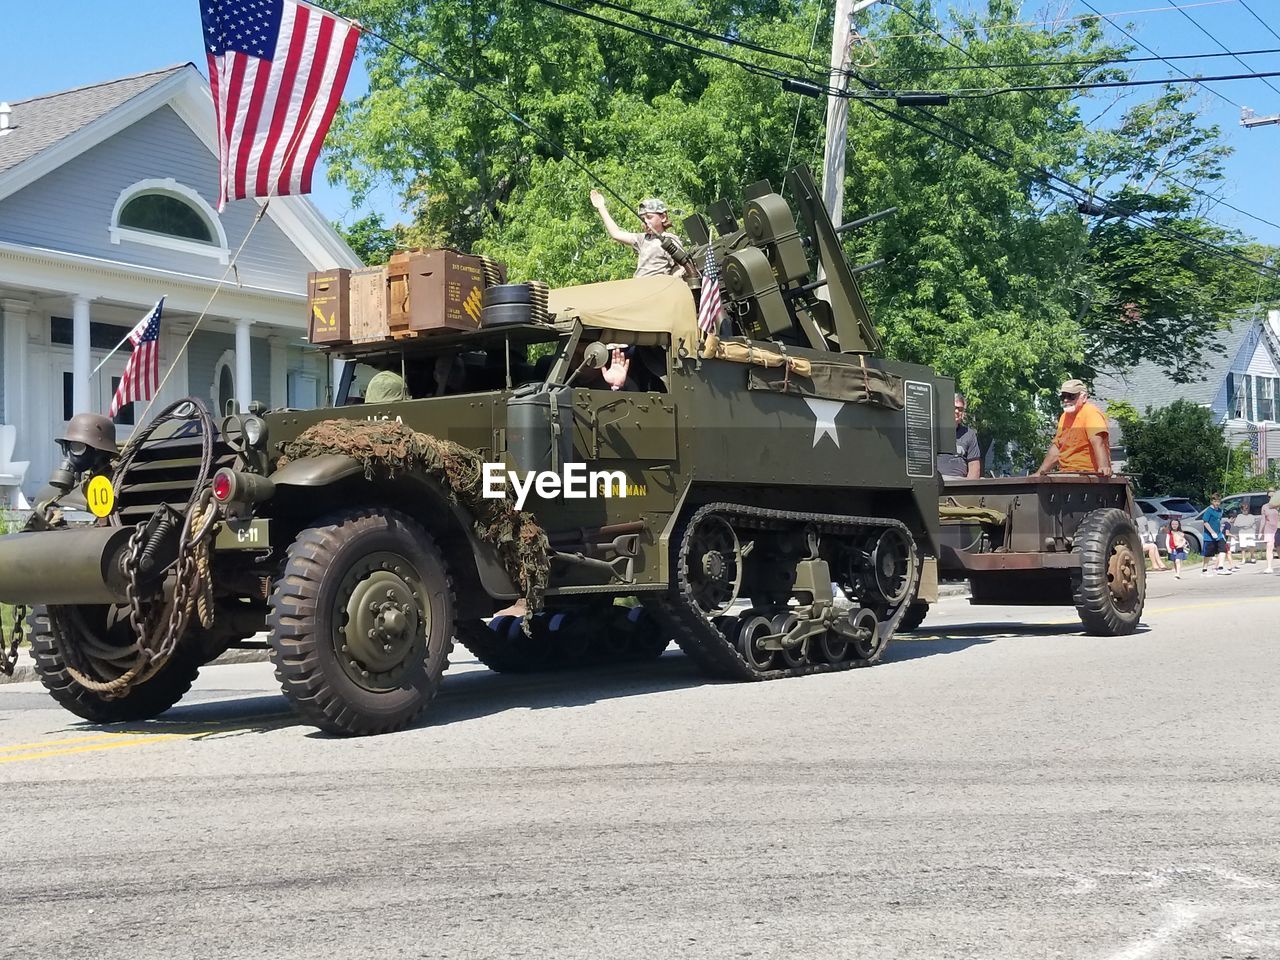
48 131
41 122
1147 385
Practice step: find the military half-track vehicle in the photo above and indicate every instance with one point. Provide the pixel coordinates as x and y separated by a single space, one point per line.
779 517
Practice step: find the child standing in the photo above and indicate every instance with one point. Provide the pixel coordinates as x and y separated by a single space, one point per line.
1177 546
1213 539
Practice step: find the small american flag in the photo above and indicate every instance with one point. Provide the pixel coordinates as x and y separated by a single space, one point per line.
277 69
142 372
709 306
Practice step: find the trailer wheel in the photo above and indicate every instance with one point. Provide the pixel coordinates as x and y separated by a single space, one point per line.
361 622
143 702
1113 577
914 616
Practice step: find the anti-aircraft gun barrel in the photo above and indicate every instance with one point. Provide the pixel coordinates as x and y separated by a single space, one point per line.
815 284
866 221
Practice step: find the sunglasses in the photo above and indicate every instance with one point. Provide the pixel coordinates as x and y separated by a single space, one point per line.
1068 397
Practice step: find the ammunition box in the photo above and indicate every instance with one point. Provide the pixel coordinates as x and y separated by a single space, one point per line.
434 291
368 302
328 307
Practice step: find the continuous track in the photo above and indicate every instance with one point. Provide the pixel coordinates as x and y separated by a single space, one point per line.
706 644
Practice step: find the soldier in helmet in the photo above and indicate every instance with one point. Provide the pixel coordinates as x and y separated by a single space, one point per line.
658 250
88 446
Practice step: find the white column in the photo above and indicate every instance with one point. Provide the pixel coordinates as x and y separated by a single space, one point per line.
244 364
16 382
80 355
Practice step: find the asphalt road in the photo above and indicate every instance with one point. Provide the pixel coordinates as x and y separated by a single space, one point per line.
1001 788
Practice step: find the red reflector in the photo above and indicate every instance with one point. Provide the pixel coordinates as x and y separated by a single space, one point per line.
222 486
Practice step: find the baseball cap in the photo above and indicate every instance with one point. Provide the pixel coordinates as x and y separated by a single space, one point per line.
1073 386
652 205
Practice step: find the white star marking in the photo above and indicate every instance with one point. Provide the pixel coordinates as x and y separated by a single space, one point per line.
826 412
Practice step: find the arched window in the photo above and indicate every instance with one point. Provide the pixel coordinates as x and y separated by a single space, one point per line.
223 389
165 213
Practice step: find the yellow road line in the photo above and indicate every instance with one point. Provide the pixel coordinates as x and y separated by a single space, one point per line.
121 740
1209 604
10 748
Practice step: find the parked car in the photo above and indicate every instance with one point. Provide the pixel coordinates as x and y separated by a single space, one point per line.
1166 508
1194 526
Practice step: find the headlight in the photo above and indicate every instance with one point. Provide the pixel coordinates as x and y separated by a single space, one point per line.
255 431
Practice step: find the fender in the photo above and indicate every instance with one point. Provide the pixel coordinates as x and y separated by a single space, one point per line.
330 468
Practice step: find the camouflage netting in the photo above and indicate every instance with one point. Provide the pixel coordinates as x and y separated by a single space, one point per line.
389 449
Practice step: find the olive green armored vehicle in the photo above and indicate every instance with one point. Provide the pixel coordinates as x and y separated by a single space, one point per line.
587 460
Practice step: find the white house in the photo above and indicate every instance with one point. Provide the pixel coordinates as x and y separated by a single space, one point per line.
1239 381
106 204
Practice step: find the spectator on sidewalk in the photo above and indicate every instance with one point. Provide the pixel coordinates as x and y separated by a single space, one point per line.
1271 527
1214 540
1245 526
1176 544
1148 530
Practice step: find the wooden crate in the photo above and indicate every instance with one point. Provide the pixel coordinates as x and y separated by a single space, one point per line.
329 307
434 291
368 300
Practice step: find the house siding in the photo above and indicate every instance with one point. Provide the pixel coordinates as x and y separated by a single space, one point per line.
206 350
70 208
3 321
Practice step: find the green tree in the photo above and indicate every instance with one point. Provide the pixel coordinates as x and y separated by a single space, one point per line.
372 242
1174 451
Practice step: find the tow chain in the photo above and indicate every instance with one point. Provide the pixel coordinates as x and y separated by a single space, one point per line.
157 625
10 661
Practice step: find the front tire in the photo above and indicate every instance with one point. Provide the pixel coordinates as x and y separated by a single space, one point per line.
361 622
1112 588
144 702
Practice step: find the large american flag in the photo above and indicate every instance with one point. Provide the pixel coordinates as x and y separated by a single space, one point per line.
709 306
142 372
277 69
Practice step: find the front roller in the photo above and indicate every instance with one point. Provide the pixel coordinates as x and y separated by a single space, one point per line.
1112 585
361 622
102 634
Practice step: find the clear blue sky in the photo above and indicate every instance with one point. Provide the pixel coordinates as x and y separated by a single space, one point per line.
66 43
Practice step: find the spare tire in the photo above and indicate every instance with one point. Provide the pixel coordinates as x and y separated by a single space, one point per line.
506 313
505 293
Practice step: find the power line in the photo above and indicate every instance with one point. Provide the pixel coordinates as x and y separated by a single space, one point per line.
978 65
1201 27
982 93
1058 21
1186 186
471 88
1260 20
1072 191
698 31
1107 17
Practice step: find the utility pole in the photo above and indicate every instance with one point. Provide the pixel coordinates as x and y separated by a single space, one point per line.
1249 119
838 109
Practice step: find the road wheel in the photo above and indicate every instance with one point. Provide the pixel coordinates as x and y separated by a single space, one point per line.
1113 578
914 616
361 622
143 702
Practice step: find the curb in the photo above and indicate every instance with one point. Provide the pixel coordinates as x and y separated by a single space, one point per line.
25 671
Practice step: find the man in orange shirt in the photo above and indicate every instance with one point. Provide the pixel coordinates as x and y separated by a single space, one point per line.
1081 444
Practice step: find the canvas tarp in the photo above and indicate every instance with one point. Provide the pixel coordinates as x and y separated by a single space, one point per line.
852 382
640 305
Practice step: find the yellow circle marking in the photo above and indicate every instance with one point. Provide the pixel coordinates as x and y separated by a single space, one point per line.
101 496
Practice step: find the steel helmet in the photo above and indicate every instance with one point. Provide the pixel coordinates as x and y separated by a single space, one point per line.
652 205
93 430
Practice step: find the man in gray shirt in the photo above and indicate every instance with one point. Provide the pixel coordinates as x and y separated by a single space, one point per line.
966 462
